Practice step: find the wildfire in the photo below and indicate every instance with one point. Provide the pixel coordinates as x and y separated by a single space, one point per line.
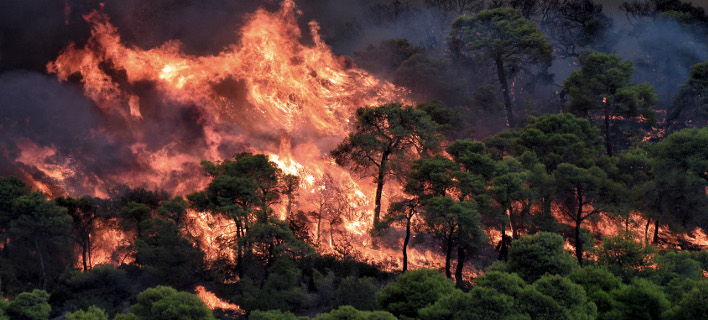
213 302
268 82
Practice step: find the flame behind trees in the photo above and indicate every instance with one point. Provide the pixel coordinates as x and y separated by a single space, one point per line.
243 190
385 138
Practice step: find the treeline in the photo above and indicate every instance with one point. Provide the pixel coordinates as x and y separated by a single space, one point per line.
494 74
520 180
608 155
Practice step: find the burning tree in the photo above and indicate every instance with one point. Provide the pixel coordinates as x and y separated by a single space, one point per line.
86 215
243 190
384 139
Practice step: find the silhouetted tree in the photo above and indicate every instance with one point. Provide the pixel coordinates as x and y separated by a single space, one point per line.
506 39
384 137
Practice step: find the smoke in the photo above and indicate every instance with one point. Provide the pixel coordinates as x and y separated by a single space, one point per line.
662 50
99 145
38 111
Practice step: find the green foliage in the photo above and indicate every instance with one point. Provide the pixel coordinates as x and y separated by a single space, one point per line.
598 283
578 188
274 315
104 287
164 253
503 37
533 256
602 89
694 304
44 229
639 300
453 223
560 138
594 278
479 304
690 106
624 256
350 313
132 215
93 313
174 209
505 283
165 303
447 118
569 295
274 240
383 137
281 290
680 169
412 291
359 293
677 266
539 306
30 306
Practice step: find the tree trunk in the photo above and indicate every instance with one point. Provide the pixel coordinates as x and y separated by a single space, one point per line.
503 245
264 207
505 90
290 206
578 221
239 251
84 255
379 186
513 223
41 262
626 223
319 225
608 142
656 232
460 265
448 257
405 244
90 263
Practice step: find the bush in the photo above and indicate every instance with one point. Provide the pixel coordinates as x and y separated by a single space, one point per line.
104 287
350 313
535 255
413 291
598 283
359 293
639 300
282 290
30 306
569 295
506 283
165 303
624 256
93 313
479 304
677 265
694 305
274 315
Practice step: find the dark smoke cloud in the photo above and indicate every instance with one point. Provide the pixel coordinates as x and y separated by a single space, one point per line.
35 106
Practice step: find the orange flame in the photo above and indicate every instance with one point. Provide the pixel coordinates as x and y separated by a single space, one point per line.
269 82
213 302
